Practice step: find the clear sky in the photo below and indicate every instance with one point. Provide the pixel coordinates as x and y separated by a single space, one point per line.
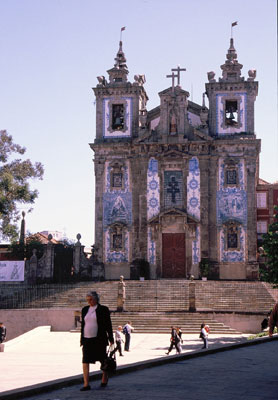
53 50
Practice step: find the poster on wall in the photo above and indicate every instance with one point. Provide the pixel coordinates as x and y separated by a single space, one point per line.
12 271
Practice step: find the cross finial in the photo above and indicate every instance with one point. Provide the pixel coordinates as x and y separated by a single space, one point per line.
173 76
178 69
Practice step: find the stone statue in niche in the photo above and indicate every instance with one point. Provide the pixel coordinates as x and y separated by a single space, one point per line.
173 124
121 294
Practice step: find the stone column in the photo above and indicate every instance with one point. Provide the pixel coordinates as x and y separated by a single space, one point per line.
213 240
138 169
192 297
252 211
77 255
49 259
252 266
205 205
99 190
33 265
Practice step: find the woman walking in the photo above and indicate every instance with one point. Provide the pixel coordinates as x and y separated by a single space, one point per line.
96 332
174 341
204 336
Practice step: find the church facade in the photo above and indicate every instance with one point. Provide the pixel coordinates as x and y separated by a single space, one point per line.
177 184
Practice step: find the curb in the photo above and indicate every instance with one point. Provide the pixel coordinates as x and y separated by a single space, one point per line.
45 387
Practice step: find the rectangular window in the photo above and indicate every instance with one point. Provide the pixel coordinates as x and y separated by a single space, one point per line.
173 189
232 237
117 116
232 240
117 242
262 200
117 179
261 226
231 177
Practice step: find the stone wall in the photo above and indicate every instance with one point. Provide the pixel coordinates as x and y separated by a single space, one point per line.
18 322
22 321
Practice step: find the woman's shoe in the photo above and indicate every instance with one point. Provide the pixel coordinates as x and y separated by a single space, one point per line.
85 388
104 384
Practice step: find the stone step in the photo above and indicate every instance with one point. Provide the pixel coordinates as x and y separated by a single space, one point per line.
161 322
161 295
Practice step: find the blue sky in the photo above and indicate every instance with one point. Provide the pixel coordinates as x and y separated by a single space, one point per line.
53 50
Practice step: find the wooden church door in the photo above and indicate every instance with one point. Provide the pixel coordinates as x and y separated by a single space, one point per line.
173 255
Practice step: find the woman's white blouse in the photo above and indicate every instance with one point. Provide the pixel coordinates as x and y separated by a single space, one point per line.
204 332
91 326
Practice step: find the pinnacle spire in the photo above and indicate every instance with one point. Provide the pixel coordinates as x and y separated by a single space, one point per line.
120 60
231 55
118 74
231 70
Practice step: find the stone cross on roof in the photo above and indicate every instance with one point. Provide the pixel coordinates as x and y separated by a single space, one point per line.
173 76
178 69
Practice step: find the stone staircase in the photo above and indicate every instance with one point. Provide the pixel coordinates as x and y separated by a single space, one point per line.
152 296
251 297
153 306
148 322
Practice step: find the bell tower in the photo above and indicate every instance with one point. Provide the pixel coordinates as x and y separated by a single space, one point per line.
232 98
119 103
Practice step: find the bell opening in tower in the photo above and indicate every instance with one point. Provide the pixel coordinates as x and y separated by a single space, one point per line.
231 112
118 116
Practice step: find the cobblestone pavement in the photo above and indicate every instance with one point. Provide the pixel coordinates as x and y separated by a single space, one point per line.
42 356
248 373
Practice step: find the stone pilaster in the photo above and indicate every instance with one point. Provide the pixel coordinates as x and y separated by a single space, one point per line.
99 187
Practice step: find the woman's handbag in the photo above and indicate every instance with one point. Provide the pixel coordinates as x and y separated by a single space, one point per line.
109 364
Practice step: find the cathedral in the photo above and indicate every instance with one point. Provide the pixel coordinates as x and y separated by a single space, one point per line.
176 185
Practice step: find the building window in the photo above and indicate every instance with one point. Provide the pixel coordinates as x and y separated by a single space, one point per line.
173 189
262 200
117 179
117 237
117 117
116 176
231 176
117 242
261 226
232 236
231 112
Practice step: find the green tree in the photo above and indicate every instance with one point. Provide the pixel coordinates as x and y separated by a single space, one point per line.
20 251
270 247
15 175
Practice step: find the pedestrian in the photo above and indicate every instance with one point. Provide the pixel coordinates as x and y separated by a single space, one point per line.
127 329
174 341
3 332
96 332
204 336
179 333
273 320
119 340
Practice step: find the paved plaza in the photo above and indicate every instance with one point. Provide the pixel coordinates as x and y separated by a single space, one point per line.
41 356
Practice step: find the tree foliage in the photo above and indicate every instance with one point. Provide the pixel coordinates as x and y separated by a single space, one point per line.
270 247
21 251
15 175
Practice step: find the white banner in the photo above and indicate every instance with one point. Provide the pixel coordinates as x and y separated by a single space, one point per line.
12 271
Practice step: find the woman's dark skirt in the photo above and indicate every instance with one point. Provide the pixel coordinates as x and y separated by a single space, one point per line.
93 350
